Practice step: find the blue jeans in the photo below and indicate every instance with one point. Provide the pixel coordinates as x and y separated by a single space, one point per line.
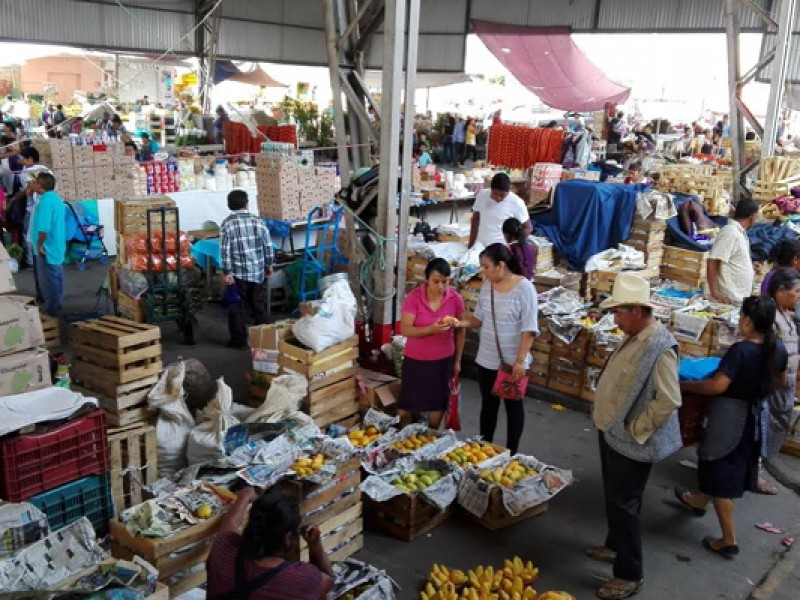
51 285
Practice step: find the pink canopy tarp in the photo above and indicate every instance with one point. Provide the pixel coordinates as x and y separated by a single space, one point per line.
547 62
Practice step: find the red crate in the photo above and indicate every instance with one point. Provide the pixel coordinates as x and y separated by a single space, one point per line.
37 462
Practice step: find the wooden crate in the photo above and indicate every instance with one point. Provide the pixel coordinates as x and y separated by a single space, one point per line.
123 404
684 266
130 216
134 464
497 516
256 394
176 557
539 368
590 378
332 394
115 350
597 355
335 508
576 350
565 376
133 309
336 403
405 517
51 327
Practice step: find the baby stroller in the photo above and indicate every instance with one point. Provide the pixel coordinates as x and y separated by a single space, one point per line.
80 230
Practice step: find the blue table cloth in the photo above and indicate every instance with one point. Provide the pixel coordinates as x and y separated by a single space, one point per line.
588 218
205 249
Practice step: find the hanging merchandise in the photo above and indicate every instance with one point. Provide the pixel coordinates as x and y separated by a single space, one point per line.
519 146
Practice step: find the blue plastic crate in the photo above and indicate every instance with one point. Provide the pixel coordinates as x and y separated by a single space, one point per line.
88 497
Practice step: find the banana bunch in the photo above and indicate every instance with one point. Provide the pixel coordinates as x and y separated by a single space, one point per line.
512 582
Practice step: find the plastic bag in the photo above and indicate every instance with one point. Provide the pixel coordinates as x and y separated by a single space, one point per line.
284 397
231 299
454 406
207 441
333 323
175 422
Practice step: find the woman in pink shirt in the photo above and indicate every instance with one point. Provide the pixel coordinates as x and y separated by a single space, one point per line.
433 348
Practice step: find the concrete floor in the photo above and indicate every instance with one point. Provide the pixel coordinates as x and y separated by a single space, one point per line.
676 565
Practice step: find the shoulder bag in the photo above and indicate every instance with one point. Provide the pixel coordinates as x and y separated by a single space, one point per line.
505 386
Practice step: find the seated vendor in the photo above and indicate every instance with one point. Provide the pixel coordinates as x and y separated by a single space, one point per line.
255 563
636 175
131 149
149 148
422 156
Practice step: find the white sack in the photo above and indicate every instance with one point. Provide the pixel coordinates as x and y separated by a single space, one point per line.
207 440
174 423
334 322
283 397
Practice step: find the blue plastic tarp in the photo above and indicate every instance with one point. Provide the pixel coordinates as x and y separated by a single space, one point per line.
678 237
763 236
697 369
588 218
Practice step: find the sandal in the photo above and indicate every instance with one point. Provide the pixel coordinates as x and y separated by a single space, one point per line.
617 589
679 493
602 554
725 551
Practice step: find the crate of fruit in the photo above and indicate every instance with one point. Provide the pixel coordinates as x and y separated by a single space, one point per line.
356 580
376 426
417 441
509 489
413 500
473 453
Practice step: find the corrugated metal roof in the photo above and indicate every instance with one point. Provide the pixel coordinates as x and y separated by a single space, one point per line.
251 27
793 70
92 25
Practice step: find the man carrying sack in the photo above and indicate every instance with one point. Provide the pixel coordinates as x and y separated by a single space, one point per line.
636 414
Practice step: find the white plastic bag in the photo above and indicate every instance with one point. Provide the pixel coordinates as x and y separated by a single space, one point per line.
334 322
174 423
284 397
207 440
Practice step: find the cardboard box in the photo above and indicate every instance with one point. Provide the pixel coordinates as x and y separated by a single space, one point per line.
24 372
377 390
6 278
264 341
20 324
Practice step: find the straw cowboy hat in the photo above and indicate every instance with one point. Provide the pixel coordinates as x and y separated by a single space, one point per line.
629 290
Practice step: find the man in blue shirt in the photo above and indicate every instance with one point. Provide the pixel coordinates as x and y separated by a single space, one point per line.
48 234
459 137
149 148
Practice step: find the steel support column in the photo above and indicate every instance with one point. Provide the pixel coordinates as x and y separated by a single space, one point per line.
783 43
739 111
408 147
733 31
205 42
386 224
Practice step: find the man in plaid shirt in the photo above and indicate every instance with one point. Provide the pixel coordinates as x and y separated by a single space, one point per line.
247 258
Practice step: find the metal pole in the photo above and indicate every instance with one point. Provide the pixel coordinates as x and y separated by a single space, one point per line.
783 42
393 38
408 143
331 37
732 30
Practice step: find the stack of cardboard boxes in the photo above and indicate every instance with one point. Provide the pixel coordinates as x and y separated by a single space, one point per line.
24 364
288 191
90 171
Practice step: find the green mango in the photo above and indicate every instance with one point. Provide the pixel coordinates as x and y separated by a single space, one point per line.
426 479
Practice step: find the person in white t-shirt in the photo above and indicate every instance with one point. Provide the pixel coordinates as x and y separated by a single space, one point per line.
491 209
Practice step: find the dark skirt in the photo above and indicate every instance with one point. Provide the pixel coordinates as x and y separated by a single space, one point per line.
736 473
425 386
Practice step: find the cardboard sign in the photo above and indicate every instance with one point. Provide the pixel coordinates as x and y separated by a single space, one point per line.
20 324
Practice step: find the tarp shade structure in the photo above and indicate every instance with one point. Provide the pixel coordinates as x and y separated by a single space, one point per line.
547 62
225 70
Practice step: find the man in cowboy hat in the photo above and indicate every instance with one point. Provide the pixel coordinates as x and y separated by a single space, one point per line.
635 414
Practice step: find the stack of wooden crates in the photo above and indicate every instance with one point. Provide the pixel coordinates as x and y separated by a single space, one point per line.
684 266
118 362
332 396
130 217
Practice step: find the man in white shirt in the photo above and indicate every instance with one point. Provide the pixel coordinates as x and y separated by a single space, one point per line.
491 209
730 268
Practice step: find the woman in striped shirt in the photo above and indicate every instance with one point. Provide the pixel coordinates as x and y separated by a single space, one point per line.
515 319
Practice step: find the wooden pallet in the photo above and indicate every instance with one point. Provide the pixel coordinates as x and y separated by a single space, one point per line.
130 216
123 404
497 516
51 327
179 558
115 350
134 464
405 517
